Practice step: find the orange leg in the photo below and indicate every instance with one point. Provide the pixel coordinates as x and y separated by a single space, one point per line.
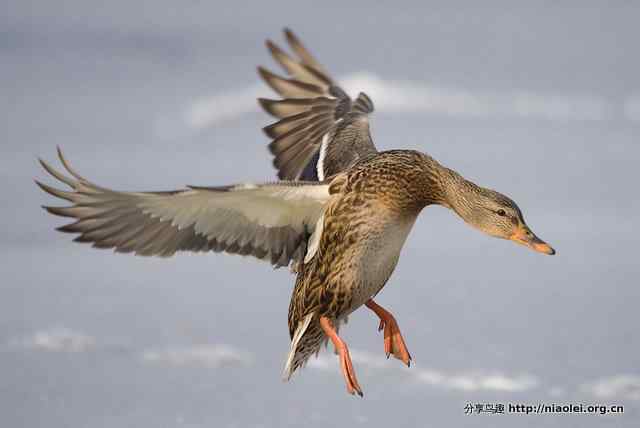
345 359
393 341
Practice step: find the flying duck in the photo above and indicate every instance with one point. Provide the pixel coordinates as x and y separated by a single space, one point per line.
338 217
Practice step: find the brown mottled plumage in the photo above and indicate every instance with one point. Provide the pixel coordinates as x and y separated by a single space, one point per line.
381 193
343 228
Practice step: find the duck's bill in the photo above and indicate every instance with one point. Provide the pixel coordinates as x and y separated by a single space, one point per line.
527 238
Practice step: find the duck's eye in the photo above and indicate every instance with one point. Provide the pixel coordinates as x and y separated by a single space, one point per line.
501 212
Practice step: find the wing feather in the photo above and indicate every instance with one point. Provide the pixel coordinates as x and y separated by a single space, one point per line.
313 113
267 221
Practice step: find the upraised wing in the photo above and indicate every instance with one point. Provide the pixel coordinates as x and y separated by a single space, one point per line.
269 221
320 130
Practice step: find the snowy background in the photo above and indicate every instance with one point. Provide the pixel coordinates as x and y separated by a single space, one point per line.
540 102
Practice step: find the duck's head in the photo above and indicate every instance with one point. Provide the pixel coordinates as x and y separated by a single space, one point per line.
497 215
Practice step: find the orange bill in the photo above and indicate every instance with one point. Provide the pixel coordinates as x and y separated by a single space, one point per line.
526 237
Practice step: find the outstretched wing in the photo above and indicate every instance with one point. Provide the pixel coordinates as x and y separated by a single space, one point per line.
268 221
320 131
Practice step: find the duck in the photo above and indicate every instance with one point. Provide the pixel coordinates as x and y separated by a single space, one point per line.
338 215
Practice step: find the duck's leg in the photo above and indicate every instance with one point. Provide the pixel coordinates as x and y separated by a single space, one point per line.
393 341
345 359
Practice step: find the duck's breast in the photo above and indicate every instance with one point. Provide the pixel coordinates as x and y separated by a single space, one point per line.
378 256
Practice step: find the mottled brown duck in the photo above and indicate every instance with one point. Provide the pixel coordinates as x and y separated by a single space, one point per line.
339 217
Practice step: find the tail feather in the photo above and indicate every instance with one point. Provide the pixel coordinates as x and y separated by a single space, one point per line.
292 362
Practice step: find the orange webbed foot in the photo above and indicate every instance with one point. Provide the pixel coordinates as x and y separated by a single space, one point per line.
393 341
353 387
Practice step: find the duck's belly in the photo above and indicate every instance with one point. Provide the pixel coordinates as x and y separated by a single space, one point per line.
377 258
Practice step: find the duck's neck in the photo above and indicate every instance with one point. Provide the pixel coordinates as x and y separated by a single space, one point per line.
457 193
419 180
